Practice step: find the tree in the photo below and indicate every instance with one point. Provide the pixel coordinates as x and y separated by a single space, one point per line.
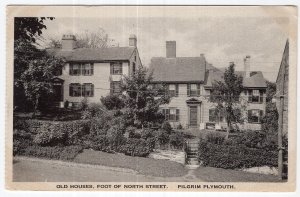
28 28
270 119
142 100
37 79
86 39
227 96
33 68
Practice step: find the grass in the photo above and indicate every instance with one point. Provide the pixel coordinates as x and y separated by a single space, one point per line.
146 166
225 175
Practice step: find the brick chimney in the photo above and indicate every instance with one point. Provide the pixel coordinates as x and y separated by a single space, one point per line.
247 66
171 49
68 42
132 40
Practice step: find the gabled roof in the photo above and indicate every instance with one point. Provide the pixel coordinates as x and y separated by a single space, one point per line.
179 69
256 79
94 54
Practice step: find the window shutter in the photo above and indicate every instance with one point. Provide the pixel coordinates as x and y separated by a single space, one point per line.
92 69
164 113
198 89
177 90
83 90
92 91
167 114
111 87
121 68
177 114
250 96
261 96
261 113
111 69
249 116
70 90
70 69
188 89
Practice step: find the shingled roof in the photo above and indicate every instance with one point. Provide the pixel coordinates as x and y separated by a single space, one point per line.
256 79
95 54
179 69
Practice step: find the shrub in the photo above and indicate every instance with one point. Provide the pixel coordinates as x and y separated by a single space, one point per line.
65 133
112 101
151 143
136 147
54 152
167 127
100 143
93 110
252 139
116 138
162 137
213 137
177 140
179 127
232 157
147 133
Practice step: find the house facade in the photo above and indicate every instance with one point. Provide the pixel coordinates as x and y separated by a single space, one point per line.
282 84
92 72
189 82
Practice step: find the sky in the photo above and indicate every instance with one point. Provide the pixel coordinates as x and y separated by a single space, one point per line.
221 39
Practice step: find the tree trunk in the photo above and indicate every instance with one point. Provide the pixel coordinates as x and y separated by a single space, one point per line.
227 130
36 103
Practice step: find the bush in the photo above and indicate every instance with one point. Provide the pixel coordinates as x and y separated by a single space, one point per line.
93 110
116 138
55 152
177 140
65 133
213 137
136 147
162 137
252 139
167 127
232 157
151 143
112 101
179 127
147 133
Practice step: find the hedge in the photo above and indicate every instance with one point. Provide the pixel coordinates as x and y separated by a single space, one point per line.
55 152
232 157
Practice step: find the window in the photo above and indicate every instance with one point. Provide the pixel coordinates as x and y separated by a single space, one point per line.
88 90
193 89
255 96
254 115
88 69
173 90
75 90
171 114
75 69
116 68
115 87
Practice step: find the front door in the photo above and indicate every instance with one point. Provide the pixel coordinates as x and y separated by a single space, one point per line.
58 96
193 116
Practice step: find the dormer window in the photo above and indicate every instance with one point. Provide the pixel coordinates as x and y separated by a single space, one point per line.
116 68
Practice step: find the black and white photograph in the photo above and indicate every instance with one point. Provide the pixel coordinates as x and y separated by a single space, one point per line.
152 94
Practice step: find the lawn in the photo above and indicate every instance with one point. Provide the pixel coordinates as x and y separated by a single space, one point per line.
146 166
225 175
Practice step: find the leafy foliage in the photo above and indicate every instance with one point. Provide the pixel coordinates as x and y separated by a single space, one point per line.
227 96
141 101
233 157
112 102
177 140
28 28
136 147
